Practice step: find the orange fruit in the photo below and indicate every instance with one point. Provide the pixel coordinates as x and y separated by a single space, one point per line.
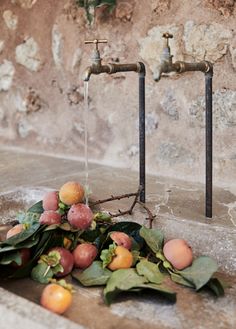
55 298
71 193
123 259
15 230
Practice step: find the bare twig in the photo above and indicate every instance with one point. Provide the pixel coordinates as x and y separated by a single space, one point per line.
150 217
129 211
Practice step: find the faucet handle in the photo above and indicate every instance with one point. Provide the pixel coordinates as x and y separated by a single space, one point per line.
167 36
96 42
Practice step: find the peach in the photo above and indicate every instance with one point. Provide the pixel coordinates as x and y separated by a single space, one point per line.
50 201
84 254
15 230
178 253
122 259
50 217
80 216
121 239
71 193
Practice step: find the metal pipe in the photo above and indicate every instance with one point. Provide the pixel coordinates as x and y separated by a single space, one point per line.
142 177
208 99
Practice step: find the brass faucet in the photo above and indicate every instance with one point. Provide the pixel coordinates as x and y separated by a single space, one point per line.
97 68
167 65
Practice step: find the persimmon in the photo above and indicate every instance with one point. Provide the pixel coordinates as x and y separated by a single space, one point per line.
80 216
25 257
50 217
51 201
56 298
123 259
121 239
84 254
15 230
71 193
178 253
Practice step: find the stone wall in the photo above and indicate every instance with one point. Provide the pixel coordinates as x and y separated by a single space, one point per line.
43 56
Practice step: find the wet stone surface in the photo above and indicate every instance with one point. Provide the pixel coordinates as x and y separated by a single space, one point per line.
179 207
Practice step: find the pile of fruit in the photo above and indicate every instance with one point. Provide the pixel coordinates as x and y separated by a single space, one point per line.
61 236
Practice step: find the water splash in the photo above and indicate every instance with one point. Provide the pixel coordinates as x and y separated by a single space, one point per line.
86 114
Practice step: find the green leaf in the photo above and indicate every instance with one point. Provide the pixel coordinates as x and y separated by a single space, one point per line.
108 254
23 235
122 280
200 272
25 244
150 271
153 237
41 273
177 278
162 289
215 285
37 208
94 275
28 218
135 254
102 216
13 256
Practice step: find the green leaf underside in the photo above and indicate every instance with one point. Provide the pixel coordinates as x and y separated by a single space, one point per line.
200 272
153 237
94 275
41 273
177 278
150 271
130 280
216 286
26 244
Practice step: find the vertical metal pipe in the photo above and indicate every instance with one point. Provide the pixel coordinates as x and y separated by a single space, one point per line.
208 196
142 132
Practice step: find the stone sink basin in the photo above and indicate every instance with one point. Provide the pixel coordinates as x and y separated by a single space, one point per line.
19 299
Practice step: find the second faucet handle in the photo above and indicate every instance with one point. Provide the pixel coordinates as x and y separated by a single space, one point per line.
96 42
167 36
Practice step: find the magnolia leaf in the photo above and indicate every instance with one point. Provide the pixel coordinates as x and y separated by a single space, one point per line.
108 254
41 273
122 280
200 272
150 271
94 275
153 237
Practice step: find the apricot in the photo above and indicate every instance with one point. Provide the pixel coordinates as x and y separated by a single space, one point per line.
50 201
84 254
121 239
178 253
80 216
122 259
55 298
66 261
15 230
71 193
50 217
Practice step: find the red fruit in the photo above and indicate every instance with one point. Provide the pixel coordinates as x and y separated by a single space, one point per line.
178 253
121 239
50 201
66 261
84 254
50 217
80 216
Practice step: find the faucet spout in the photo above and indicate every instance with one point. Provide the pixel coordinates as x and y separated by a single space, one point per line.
87 73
